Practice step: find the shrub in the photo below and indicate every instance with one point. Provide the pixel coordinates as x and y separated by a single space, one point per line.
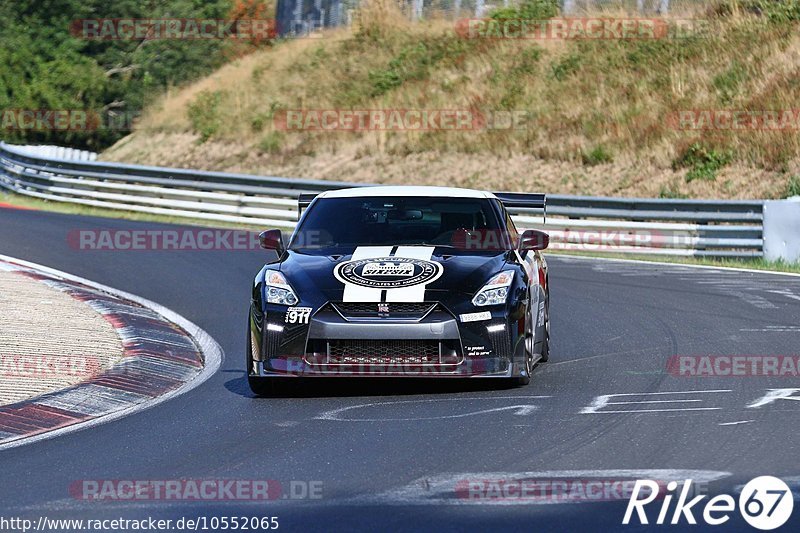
597 156
528 10
566 67
792 187
271 143
204 114
414 63
703 163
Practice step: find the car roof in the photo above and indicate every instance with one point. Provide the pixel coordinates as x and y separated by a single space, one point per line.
405 190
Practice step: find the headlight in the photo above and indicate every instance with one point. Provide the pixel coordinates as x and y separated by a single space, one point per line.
278 289
495 291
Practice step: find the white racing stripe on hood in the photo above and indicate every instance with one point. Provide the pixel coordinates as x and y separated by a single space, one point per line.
415 293
357 293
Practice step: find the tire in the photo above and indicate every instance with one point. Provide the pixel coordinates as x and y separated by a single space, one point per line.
524 380
546 341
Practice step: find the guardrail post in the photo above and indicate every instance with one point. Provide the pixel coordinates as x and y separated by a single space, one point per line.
782 229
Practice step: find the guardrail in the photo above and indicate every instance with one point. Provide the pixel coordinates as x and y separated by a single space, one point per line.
616 225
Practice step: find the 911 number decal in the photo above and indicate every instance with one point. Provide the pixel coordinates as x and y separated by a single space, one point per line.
298 315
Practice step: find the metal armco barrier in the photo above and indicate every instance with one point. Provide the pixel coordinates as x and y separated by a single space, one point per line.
716 228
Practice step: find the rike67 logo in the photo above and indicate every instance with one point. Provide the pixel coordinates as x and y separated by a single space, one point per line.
765 503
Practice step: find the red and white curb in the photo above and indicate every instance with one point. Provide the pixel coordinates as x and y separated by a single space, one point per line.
164 355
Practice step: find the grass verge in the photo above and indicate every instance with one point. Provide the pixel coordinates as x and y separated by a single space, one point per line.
751 264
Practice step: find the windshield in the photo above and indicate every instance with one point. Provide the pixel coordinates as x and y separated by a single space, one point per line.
447 222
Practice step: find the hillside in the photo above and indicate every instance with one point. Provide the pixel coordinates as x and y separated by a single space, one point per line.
601 116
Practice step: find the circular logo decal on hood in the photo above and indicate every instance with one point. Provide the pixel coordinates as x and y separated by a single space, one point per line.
388 272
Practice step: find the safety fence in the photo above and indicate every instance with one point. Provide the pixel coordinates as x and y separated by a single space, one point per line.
714 228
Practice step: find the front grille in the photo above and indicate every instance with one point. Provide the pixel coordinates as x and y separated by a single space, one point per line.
355 352
396 309
384 352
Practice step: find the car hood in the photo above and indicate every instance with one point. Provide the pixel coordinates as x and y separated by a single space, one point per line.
434 273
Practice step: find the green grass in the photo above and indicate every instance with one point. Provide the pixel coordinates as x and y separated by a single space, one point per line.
753 264
596 156
670 192
792 187
703 163
271 142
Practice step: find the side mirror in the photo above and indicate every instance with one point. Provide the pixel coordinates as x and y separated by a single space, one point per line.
533 239
272 239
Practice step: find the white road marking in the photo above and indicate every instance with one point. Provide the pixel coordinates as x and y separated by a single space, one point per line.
785 292
773 329
519 409
212 353
773 395
448 489
735 423
605 400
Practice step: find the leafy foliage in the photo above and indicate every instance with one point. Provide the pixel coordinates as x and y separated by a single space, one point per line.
204 114
528 10
45 63
702 162
792 187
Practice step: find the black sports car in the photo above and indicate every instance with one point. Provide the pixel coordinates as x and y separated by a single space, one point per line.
401 281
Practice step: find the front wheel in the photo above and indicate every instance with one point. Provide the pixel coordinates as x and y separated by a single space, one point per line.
529 349
546 340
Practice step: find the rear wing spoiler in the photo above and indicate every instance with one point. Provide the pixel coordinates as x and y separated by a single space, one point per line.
523 201
304 200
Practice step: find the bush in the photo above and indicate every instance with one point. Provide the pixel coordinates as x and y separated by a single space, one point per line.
528 10
271 143
703 163
204 114
773 10
779 10
566 67
414 63
792 187
597 156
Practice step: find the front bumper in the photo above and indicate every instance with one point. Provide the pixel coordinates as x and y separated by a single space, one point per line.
433 344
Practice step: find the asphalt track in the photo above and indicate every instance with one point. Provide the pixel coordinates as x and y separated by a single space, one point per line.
614 326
